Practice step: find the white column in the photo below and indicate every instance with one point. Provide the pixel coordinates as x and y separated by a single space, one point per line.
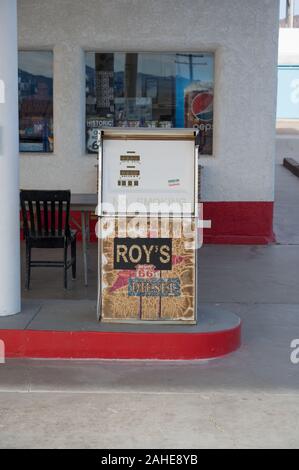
10 298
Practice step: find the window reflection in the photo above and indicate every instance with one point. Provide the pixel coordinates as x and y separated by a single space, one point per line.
149 90
36 101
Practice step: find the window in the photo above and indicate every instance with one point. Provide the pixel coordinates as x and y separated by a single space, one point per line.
149 90
36 101
289 14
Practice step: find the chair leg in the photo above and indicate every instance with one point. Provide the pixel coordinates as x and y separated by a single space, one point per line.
65 267
28 266
74 259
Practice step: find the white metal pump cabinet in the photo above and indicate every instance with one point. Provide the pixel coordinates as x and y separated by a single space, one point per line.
147 225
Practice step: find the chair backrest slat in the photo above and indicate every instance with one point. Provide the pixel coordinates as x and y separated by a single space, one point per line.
60 209
52 217
67 216
31 213
38 218
46 217
53 204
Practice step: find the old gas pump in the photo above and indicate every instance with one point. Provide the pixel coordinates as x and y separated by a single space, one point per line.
147 228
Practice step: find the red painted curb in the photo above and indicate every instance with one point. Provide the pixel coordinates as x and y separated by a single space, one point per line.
110 345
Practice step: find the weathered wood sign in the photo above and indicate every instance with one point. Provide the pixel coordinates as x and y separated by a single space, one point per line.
149 278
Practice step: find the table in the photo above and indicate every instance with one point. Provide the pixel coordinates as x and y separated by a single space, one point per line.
86 204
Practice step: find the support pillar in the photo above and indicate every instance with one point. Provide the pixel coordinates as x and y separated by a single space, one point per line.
10 297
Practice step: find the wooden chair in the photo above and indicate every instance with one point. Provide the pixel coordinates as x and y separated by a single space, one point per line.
46 225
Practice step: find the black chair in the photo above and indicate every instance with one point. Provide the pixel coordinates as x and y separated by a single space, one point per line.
46 225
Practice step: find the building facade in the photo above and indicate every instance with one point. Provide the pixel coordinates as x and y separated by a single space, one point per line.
238 177
236 42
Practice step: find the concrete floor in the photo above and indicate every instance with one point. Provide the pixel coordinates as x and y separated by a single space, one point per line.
248 399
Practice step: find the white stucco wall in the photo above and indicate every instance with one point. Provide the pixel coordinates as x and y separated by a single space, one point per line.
243 34
288 46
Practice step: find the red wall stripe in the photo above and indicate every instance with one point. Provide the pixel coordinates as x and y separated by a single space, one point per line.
239 222
244 222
